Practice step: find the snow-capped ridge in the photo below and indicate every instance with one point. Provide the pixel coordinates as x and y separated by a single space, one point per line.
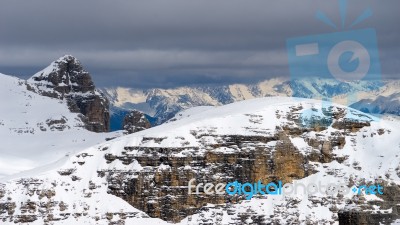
53 67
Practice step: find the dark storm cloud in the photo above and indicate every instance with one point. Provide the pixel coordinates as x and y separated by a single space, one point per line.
162 43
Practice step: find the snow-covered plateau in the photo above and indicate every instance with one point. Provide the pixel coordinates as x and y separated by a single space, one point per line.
142 177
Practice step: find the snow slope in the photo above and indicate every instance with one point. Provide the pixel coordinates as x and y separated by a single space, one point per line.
375 155
37 130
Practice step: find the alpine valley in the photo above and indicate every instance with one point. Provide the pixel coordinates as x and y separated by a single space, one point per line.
370 96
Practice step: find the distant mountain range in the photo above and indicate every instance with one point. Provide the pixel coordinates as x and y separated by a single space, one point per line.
376 97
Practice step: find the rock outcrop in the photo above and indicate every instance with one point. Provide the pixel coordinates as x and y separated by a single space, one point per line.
355 217
135 121
162 191
362 214
66 79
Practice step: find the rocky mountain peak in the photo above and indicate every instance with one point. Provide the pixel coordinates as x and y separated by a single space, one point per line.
65 75
66 79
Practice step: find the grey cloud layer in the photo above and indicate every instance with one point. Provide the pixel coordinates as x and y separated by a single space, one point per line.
176 42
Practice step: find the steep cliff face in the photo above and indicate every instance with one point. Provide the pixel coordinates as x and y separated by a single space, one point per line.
268 140
66 79
162 191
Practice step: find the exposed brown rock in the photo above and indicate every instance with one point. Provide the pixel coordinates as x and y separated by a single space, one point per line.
135 121
66 79
162 191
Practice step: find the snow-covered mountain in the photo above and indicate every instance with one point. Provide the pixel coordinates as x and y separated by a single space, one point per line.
128 179
41 119
380 105
163 104
66 79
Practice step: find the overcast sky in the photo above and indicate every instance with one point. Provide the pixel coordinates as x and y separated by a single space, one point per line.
166 43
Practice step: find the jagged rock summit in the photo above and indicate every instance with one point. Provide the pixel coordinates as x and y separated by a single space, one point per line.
66 79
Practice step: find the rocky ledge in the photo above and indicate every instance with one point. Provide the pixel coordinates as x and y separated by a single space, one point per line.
135 121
